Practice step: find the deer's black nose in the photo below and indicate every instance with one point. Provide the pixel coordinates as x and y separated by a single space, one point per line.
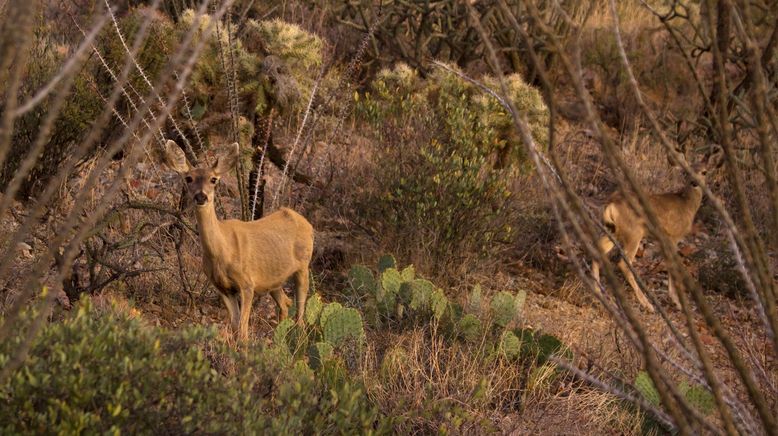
200 198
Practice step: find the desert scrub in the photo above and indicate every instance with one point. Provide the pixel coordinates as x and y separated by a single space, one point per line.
80 108
448 367
443 163
110 372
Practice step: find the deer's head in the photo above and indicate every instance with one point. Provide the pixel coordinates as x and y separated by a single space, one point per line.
201 181
712 161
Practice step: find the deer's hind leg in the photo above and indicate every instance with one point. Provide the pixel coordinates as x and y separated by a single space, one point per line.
233 308
631 246
282 301
605 245
301 292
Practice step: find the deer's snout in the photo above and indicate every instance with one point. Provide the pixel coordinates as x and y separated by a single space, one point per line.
200 198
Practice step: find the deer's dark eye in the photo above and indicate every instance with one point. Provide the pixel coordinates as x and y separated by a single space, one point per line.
188 179
214 180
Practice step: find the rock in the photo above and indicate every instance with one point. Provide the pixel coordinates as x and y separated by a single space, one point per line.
24 249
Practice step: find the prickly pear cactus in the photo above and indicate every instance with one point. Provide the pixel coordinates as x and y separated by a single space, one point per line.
408 274
361 279
503 308
438 304
313 309
510 345
521 299
342 324
318 353
385 262
327 311
421 291
699 397
393 363
474 300
645 386
469 327
541 346
282 331
391 280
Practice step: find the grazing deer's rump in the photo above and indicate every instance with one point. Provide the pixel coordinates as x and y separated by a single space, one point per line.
242 258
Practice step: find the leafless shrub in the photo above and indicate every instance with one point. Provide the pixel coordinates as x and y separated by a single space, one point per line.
743 407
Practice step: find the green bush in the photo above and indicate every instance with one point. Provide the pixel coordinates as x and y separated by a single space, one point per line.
96 373
441 190
80 108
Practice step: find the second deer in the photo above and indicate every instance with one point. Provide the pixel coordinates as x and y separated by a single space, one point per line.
675 212
243 258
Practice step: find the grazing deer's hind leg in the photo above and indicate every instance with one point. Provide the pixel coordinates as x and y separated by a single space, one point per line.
671 287
630 249
301 292
605 245
282 301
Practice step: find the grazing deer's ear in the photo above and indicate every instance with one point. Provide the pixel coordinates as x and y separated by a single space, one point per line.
716 158
226 160
175 158
679 152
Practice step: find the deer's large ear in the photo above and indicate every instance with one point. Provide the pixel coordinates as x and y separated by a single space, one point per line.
227 160
175 158
716 158
678 154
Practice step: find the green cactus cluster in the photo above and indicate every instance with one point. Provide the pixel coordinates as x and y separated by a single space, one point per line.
696 395
396 294
401 299
330 329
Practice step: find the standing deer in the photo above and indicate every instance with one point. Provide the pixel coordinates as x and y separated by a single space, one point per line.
243 258
675 212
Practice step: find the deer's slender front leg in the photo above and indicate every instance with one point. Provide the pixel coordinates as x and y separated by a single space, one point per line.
233 309
246 298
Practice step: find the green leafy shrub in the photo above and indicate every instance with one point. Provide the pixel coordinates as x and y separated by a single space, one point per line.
443 168
109 373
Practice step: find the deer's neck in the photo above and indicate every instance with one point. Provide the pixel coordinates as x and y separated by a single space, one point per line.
694 195
210 230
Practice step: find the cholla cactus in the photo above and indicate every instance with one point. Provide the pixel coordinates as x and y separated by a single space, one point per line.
301 49
527 100
400 81
342 324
